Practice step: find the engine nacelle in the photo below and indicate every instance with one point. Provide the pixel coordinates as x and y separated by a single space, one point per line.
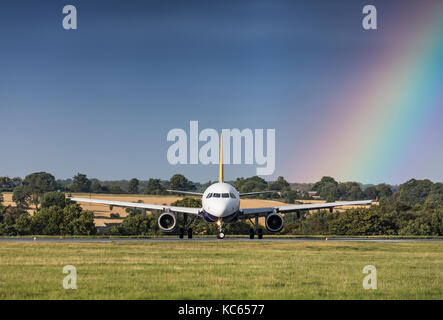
274 222
167 221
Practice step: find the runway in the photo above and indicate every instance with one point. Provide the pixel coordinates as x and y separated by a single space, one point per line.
207 239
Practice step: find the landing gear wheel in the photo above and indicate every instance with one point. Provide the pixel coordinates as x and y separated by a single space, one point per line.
251 233
260 233
221 233
181 233
190 233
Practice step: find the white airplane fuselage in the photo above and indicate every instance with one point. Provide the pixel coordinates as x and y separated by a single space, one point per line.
220 201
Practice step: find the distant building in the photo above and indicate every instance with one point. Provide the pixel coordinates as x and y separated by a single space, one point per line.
313 194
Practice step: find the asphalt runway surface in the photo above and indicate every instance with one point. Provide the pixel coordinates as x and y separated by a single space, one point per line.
205 239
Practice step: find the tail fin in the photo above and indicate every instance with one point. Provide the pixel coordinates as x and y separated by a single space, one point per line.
220 178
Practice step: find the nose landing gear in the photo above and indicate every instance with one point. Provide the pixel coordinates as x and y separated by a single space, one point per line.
221 233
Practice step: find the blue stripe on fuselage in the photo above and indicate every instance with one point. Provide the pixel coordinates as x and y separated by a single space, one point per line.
212 219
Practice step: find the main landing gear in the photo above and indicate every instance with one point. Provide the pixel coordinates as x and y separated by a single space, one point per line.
186 228
259 233
182 231
255 230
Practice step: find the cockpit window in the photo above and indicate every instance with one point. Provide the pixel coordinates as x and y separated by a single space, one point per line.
232 195
216 195
225 195
209 195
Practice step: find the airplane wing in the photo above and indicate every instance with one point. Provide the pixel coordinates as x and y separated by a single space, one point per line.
186 192
258 192
247 213
194 211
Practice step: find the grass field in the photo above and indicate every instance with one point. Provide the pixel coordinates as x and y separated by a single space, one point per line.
221 270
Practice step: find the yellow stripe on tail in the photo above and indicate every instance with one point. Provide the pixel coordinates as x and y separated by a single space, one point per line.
220 178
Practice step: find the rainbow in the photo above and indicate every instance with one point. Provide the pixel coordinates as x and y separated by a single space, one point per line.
379 136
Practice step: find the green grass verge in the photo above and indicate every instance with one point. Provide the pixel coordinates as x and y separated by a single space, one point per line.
266 236
221 270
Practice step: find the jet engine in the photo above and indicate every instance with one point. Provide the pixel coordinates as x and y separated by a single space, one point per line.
167 221
274 222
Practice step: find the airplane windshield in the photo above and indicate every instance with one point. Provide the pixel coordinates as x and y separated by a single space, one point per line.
216 195
232 195
209 195
225 195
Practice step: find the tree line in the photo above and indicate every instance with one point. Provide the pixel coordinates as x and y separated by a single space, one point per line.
389 218
56 215
414 207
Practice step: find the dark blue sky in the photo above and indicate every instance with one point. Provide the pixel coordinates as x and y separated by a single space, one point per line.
101 99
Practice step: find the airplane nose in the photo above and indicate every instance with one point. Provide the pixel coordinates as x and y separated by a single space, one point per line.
221 209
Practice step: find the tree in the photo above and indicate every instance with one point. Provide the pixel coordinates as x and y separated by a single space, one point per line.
437 188
329 192
21 196
317 222
35 185
154 186
83 224
116 189
188 202
349 191
324 180
1 197
55 220
252 184
290 196
96 187
54 198
437 222
359 222
435 197
179 182
23 224
5 184
8 184
8 219
136 225
80 183
12 213
47 221
327 188
133 186
414 191
371 193
281 185
384 191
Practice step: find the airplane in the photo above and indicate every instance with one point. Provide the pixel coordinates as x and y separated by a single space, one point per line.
221 205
